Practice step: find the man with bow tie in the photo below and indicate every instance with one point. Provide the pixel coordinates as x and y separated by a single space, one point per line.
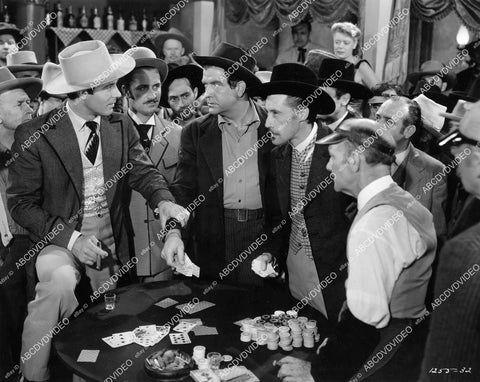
161 140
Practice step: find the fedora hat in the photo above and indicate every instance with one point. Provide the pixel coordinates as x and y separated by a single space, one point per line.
468 130
298 81
23 60
431 68
8 81
50 72
172 34
193 73
145 57
328 73
88 64
6 28
233 59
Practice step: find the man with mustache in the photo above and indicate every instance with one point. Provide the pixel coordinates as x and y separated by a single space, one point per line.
161 140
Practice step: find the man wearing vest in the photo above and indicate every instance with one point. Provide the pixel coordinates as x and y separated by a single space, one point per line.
390 250
66 187
161 140
317 223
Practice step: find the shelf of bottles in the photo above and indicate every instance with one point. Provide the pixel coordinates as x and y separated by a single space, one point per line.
67 26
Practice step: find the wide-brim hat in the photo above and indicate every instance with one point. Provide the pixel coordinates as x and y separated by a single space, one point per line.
50 72
88 64
193 73
6 28
8 81
234 60
173 34
468 130
433 92
145 57
431 68
23 60
340 74
298 81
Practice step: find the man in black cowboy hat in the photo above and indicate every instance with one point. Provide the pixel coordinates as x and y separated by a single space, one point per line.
17 283
223 167
336 77
180 90
9 35
317 226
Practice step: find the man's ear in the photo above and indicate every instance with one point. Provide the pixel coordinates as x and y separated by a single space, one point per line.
241 88
444 86
409 131
182 51
302 114
195 93
354 161
345 99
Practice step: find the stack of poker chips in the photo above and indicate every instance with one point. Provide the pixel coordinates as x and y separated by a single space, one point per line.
282 330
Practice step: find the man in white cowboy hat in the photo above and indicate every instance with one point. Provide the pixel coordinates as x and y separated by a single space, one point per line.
173 46
314 242
161 140
46 100
182 87
17 283
231 193
453 336
390 249
9 36
413 169
87 158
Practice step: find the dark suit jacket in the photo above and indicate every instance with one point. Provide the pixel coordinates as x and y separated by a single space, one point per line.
419 169
325 218
45 180
200 172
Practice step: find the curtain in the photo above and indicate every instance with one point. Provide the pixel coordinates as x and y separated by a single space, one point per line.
431 10
268 13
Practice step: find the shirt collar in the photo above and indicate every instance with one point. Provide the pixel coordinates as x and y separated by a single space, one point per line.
335 124
312 136
252 117
151 120
77 121
400 157
372 189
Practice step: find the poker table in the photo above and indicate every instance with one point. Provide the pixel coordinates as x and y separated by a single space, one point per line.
135 306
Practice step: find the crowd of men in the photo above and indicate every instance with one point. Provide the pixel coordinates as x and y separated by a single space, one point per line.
205 159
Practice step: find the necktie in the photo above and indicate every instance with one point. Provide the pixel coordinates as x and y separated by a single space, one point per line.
91 148
143 131
301 55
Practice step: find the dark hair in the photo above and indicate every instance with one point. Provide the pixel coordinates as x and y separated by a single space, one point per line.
383 86
78 94
128 78
303 22
294 102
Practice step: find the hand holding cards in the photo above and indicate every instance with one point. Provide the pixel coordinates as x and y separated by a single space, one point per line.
259 263
188 268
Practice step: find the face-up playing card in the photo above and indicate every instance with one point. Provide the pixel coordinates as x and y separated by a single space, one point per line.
184 327
88 356
167 302
196 308
122 339
179 338
196 321
163 330
205 330
114 344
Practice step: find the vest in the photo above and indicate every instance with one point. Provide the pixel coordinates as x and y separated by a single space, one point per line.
94 201
409 291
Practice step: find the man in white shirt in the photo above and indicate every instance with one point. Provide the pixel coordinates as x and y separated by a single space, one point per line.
390 249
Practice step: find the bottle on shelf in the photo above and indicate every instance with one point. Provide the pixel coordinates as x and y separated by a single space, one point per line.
59 18
110 19
6 15
120 23
144 21
97 20
71 20
83 21
132 25
155 22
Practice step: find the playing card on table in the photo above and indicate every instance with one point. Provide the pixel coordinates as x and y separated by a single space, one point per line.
146 335
167 302
124 338
184 327
196 321
113 343
163 330
205 330
188 268
179 338
88 356
201 305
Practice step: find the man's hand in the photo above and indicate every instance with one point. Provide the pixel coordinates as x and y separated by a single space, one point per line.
167 209
173 250
264 259
86 249
294 370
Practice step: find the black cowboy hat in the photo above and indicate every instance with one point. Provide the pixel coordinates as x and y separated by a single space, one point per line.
6 28
345 81
192 72
432 91
298 81
233 60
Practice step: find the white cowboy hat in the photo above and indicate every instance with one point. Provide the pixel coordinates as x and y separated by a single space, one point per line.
23 60
50 72
88 64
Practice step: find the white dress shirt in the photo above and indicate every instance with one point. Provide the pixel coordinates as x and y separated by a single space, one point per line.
303 145
151 122
380 245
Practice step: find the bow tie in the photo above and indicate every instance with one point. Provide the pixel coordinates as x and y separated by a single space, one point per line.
143 132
